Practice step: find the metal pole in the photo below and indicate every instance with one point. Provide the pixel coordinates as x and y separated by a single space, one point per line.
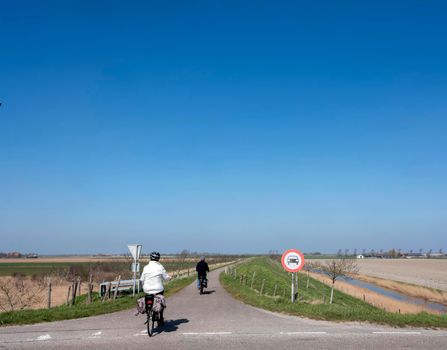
138 278
293 288
134 277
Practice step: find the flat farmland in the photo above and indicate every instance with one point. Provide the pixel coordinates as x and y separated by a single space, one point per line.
47 265
431 273
30 267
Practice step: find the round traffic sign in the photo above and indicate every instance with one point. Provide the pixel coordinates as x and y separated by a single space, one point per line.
292 260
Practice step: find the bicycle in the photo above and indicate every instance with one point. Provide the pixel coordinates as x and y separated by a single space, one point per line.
152 315
203 283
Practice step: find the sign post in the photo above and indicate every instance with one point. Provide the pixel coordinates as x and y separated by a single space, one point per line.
293 261
135 250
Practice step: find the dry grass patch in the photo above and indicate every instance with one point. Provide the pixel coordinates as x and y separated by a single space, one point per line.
18 293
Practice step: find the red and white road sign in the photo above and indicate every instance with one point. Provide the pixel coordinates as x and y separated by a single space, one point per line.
292 260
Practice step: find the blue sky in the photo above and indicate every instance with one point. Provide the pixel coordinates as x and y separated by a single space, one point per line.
222 126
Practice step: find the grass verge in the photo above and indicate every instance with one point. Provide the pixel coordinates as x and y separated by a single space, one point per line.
82 309
313 301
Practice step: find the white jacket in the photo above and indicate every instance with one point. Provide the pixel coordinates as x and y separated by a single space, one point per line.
153 276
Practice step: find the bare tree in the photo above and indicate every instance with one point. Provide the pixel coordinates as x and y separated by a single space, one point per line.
336 268
18 293
392 253
183 255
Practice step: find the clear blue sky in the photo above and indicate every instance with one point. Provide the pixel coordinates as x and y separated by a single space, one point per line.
222 126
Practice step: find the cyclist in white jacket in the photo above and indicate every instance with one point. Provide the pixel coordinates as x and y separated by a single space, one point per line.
153 275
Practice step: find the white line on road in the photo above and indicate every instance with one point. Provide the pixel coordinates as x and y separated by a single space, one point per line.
141 333
292 333
404 333
44 337
95 335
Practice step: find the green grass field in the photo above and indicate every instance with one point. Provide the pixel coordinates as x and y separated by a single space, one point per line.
34 268
313 301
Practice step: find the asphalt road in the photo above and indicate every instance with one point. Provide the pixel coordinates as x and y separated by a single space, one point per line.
215 321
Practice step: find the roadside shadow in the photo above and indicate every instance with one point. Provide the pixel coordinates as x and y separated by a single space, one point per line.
209 291
172 325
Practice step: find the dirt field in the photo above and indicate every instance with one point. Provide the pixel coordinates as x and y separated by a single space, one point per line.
430 273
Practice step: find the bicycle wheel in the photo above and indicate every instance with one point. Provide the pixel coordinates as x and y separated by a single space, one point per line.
150 323
160 319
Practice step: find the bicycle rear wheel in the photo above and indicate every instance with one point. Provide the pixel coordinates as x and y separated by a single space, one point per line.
150 323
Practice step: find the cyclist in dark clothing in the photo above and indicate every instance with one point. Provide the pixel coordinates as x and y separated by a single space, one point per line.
201 268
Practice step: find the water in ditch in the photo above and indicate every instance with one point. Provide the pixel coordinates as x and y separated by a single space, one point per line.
394 295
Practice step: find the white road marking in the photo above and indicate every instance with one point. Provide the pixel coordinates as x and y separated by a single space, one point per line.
207 333
405 333
95 335
44 337
292 333
141 333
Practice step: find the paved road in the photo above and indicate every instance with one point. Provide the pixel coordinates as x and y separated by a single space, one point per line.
215 321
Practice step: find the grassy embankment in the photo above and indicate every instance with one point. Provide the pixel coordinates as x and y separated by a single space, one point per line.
82 309
313 301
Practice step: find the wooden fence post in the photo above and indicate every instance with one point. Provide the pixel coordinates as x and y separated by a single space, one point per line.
253 280
307 285
68 295
116 287
262 287
74 289
79 290
90 287
107 292
49 293
274 292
